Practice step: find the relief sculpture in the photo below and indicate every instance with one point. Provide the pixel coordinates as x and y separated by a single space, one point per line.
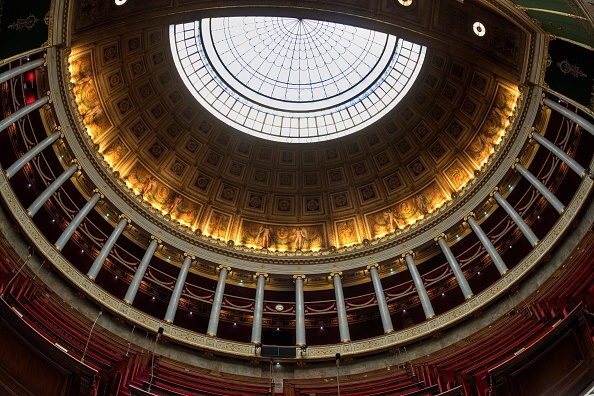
282 237
162 197
87 98
399 214
483 144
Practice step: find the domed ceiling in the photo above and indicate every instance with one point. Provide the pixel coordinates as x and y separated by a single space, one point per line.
193 171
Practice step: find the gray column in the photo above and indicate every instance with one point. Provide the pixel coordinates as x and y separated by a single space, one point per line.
215 312
571 115
80 216
146 259
515 216
25 67
177 289
562 155
416 277
23 111
460 278
381 299
98 263
343 323
29 155
299 310
559 207
51 189
258 308
486 242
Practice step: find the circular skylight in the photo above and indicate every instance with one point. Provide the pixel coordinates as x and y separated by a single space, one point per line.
293 80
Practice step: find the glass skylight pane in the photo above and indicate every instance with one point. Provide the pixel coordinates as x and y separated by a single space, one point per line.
293 74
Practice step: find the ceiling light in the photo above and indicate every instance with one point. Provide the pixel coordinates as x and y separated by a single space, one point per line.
479 29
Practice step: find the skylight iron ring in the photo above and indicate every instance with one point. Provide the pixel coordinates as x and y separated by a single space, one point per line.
219 67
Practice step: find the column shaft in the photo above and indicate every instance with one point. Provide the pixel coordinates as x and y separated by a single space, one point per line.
517 219
29 155
23 111
100 259
559 207
460 278
562 155
258 310
381 301
51 189
135 284
177 290
484 239
80 216
299 312
423 296
571 115
215 312
343 323
16 71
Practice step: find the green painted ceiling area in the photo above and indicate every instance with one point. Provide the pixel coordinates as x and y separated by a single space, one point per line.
562 18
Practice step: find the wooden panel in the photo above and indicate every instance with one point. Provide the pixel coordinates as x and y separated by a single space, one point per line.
19 364
559 363
556 363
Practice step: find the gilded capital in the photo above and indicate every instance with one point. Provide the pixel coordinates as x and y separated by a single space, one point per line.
440 236
124 217
299 277
191 256
224 267
336 273
75 162
515 163
495 190
409 253
374 265
259 274
468 216
96 191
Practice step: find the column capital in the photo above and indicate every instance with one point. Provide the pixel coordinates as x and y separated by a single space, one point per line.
49 96
336 273
124 217
224 267
96 191
154 238
440 236
374 265
75 162
299 277
61 134
495 191
191 256
468 216
515 163
409 253
263 274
